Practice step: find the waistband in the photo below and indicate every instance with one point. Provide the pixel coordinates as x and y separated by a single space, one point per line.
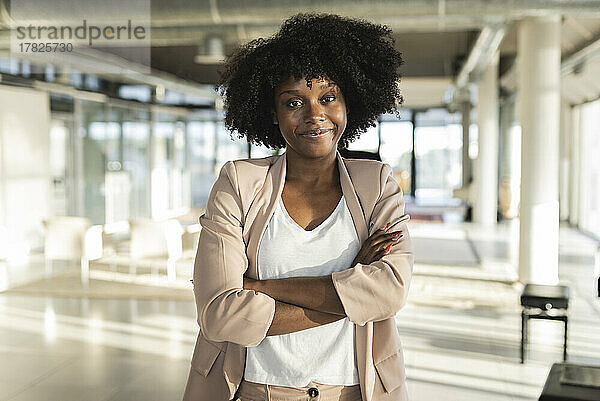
249 391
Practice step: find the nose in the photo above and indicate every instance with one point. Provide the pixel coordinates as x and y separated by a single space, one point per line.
314 112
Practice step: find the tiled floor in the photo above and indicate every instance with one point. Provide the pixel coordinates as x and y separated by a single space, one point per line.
460 330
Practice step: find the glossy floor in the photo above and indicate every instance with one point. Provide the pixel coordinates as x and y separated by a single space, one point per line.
460 329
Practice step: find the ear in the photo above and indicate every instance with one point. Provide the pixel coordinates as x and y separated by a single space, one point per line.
347 110
275 120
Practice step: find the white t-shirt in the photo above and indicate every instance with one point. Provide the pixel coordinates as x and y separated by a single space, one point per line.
325 354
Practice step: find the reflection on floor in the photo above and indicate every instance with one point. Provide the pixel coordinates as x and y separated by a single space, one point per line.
460 330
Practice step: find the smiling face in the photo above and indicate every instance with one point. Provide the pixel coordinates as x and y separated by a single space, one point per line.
311 119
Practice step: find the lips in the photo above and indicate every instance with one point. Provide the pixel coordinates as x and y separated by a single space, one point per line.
316 133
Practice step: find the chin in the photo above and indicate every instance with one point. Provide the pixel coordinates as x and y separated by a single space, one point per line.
317 155
316 150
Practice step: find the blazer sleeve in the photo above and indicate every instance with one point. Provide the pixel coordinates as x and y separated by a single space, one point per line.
227 312
378 290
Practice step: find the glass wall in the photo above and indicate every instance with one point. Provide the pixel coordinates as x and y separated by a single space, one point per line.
100 145
368 141
438 153
396 150
170 181
61 129
117 183
228 148
134 162
135 139
62 155
589 167
261 151
128 161
117 160
114 166
201 151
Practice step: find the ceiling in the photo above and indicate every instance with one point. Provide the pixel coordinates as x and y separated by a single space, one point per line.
434 36
426 54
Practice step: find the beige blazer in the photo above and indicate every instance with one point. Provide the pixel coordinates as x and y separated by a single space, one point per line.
238 210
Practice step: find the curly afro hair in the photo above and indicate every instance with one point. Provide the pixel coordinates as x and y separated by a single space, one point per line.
357 55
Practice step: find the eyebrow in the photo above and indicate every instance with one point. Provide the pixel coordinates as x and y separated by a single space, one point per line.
322 86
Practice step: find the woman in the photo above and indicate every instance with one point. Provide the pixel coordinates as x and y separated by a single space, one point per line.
304 258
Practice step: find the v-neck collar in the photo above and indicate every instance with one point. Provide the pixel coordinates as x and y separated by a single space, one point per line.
318 228
272 188
348 192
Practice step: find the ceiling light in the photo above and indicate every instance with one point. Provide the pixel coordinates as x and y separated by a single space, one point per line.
213 51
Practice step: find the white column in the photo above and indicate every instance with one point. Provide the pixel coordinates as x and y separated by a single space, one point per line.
485 208
25 175
466 161
510 160
564 153
539 112
574 167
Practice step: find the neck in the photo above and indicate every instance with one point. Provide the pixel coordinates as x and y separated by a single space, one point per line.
315 173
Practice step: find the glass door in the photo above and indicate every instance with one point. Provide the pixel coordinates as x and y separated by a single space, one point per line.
61 164
396 150
438 154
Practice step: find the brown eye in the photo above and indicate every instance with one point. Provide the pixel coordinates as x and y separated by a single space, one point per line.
294 103
328 98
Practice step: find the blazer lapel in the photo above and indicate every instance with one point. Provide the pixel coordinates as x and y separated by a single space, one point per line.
266 201
352 200
363 334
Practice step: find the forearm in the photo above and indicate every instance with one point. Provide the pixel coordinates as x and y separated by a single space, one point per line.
317 293
291 318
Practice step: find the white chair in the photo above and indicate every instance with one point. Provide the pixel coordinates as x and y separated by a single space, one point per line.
3 243
190 240
72 238
155 242
113 237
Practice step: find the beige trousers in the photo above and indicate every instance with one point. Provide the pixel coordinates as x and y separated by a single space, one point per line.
249 391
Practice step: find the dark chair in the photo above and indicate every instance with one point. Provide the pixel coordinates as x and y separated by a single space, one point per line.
544 302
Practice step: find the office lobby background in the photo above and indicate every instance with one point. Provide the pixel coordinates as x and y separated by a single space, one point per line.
112 134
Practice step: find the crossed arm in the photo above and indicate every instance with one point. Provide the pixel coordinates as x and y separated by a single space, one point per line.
305 302
373 289
300 302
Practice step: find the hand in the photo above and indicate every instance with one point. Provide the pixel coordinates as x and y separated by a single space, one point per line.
377 246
